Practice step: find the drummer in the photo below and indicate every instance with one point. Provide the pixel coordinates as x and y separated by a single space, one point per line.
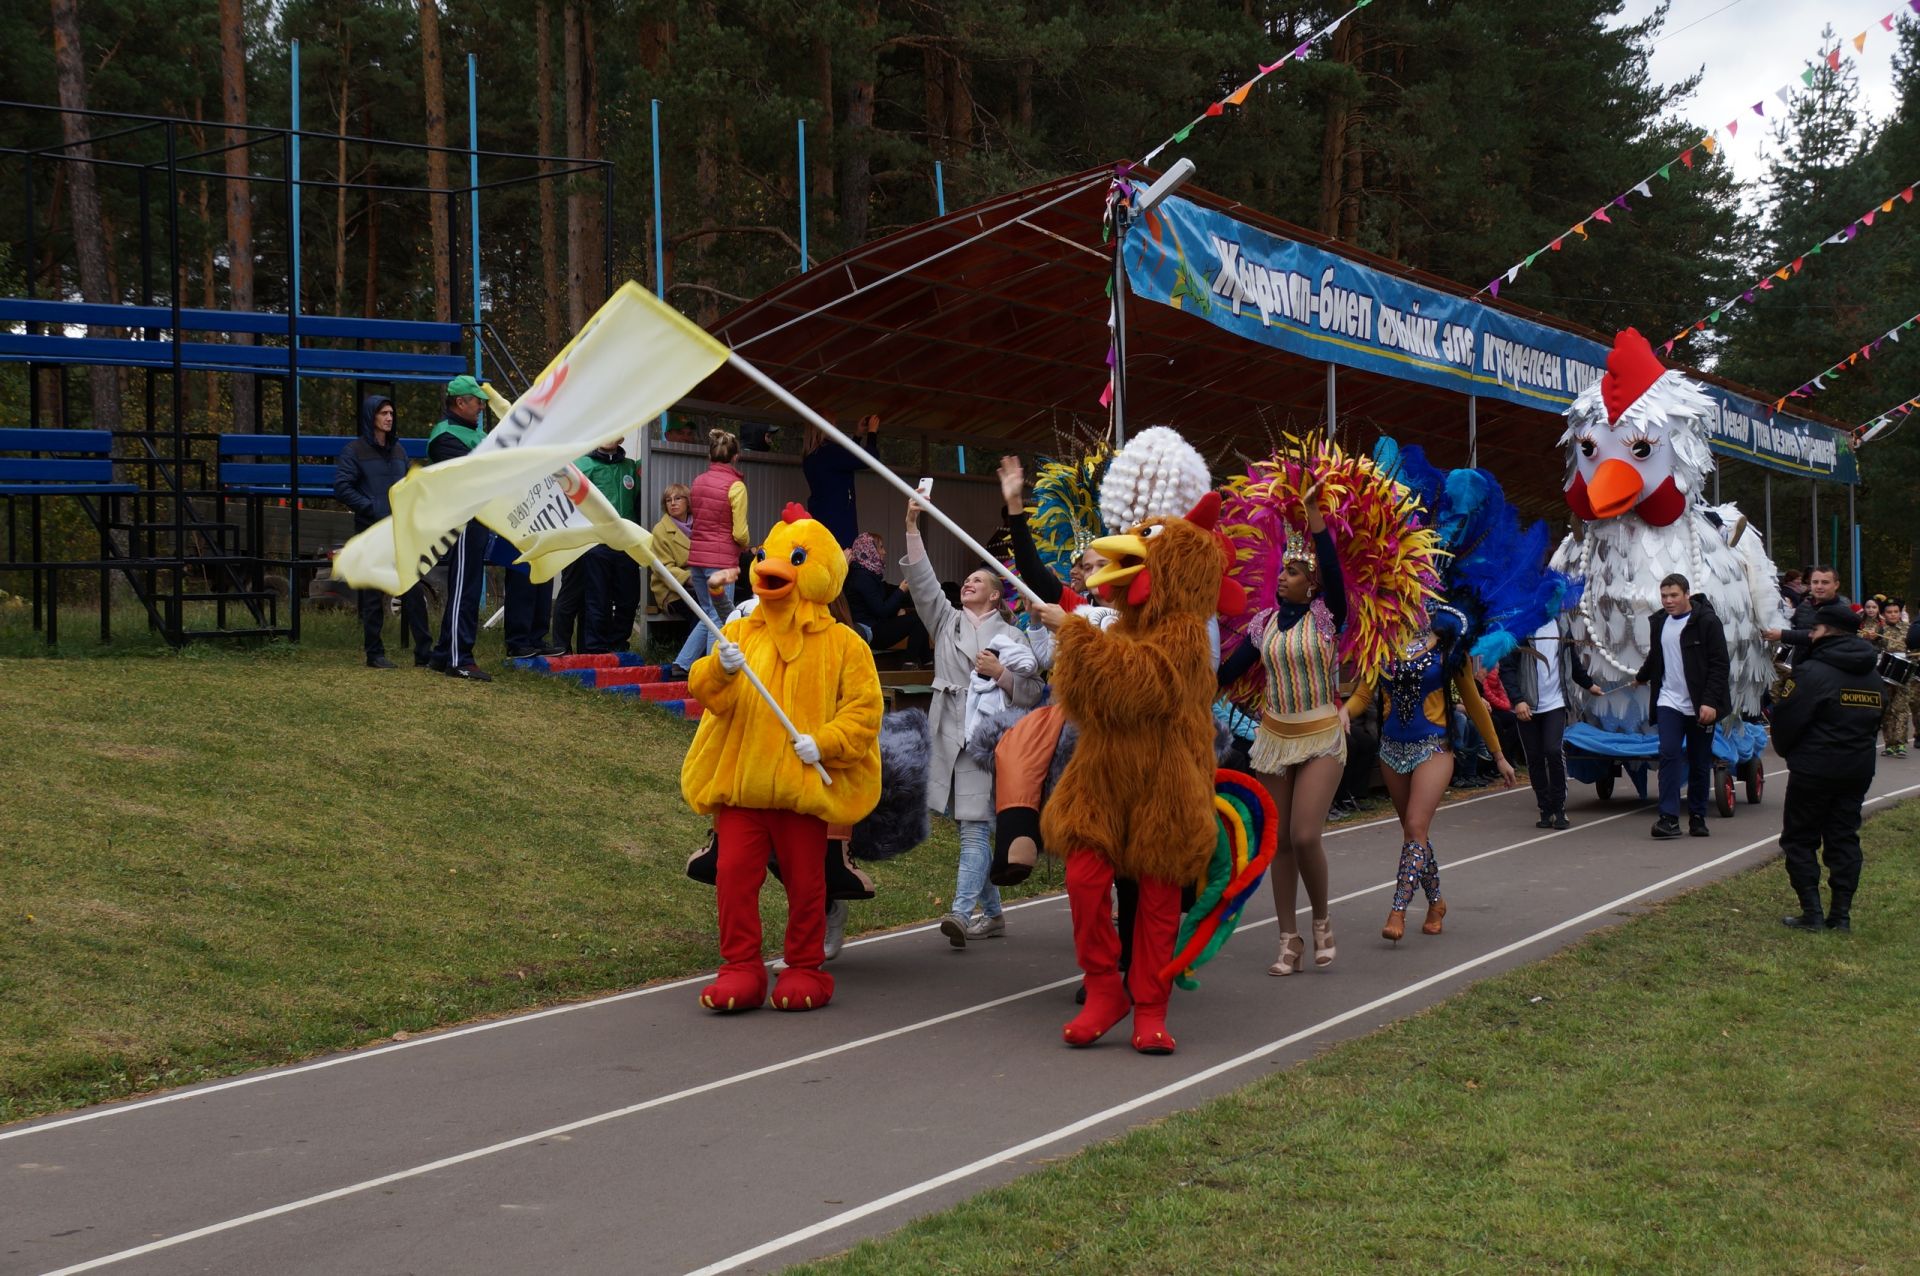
1896 726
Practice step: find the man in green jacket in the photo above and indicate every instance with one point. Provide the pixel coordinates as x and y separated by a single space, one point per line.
612 577
457 434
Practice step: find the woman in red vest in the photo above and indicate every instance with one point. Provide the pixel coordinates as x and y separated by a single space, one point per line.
719 500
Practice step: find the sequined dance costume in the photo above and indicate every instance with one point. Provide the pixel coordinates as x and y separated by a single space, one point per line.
1301 721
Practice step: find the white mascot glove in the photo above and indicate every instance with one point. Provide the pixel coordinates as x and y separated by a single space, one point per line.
807 751
732 659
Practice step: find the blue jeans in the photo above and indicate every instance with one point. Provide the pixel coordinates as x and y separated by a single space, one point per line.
699 638
976 857
1686 752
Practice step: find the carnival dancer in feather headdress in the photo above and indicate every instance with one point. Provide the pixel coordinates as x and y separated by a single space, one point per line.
1495 589
1316 611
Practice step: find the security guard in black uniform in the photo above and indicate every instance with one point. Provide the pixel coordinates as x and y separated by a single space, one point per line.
1824 725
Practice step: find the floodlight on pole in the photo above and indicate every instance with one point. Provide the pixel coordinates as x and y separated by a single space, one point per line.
1169 182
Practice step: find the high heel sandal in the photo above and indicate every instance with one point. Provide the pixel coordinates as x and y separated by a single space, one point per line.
1292 948
1323 949
1435 911
1396 925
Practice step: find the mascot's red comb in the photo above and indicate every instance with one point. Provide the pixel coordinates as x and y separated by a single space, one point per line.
1206 513
1631 368
794 512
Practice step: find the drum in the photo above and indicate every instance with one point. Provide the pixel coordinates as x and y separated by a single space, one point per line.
1896 668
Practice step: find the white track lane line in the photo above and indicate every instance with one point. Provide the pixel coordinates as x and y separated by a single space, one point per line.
1032 1145
767 1070
451 1034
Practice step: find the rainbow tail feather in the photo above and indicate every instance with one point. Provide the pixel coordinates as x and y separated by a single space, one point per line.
1249 833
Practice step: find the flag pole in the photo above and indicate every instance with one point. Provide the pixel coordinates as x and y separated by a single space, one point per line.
600 512
899 484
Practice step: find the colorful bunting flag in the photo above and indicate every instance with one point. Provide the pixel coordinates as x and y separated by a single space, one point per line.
1216 109
1818 382
1710 143
1765 282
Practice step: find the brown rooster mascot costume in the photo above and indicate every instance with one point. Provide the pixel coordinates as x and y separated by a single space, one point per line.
765 795
1137 799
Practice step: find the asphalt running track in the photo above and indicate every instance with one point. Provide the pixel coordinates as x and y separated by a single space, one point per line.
638 1133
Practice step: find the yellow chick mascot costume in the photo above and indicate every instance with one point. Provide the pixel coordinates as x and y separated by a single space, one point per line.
760 787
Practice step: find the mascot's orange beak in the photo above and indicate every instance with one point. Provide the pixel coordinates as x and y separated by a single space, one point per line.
1615 487
772 581
1126 557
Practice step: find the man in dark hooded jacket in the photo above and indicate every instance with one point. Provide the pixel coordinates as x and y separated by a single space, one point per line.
1686 671
1825 724
366 469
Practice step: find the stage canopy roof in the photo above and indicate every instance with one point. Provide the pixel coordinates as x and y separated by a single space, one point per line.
989 327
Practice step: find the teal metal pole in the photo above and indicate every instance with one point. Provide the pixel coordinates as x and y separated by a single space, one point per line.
939 189
659 233
803 196
293 244
473 195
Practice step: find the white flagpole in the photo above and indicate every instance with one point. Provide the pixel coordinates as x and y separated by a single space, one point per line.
599 510
871 462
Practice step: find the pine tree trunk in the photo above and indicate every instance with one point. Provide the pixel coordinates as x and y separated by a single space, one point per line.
202 402
1023 96
549 196
1335 143
433 74
934 75
856 138
960 104
820 145
595 211
570 27
239 163
370 296
89 237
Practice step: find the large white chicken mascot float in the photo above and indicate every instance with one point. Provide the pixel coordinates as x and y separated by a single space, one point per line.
1637 467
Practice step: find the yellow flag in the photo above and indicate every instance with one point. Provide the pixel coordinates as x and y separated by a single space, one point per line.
634 359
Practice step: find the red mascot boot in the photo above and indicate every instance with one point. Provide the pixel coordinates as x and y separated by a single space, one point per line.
801 847
1097 945
1156 927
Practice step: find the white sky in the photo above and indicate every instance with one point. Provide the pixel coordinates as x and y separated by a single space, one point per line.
1749 48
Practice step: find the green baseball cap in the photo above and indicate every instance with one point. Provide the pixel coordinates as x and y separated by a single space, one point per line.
464 385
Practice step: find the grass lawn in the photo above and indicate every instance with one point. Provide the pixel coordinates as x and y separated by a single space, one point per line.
224 858
1699 1090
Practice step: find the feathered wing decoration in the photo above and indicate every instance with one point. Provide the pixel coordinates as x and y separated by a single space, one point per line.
1388 561
1249 825
1495 567
1065 515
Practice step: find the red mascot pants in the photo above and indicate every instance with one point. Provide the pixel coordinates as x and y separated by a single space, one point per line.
1156 928
799 843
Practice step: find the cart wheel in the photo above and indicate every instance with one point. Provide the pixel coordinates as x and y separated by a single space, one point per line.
1604 787
1756 782
1722 789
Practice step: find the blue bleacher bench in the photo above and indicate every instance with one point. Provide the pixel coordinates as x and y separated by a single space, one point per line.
208 356
84 466
269 477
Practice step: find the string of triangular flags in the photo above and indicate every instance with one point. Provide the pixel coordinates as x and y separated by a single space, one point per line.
1119 191
1685 157
1239 96
1871 428
1788 269
1814 385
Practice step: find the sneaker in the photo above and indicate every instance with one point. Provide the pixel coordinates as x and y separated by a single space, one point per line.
379 662
836 928
985 927
1667 826
954 927
470 673
1544 822
1891 751
1900 752
1560 820
1697 827
422 662
672 673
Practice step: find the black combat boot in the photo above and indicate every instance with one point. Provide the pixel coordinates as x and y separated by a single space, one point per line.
1840 915
1809 917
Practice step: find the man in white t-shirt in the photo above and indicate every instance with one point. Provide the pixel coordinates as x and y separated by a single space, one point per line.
1686 668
